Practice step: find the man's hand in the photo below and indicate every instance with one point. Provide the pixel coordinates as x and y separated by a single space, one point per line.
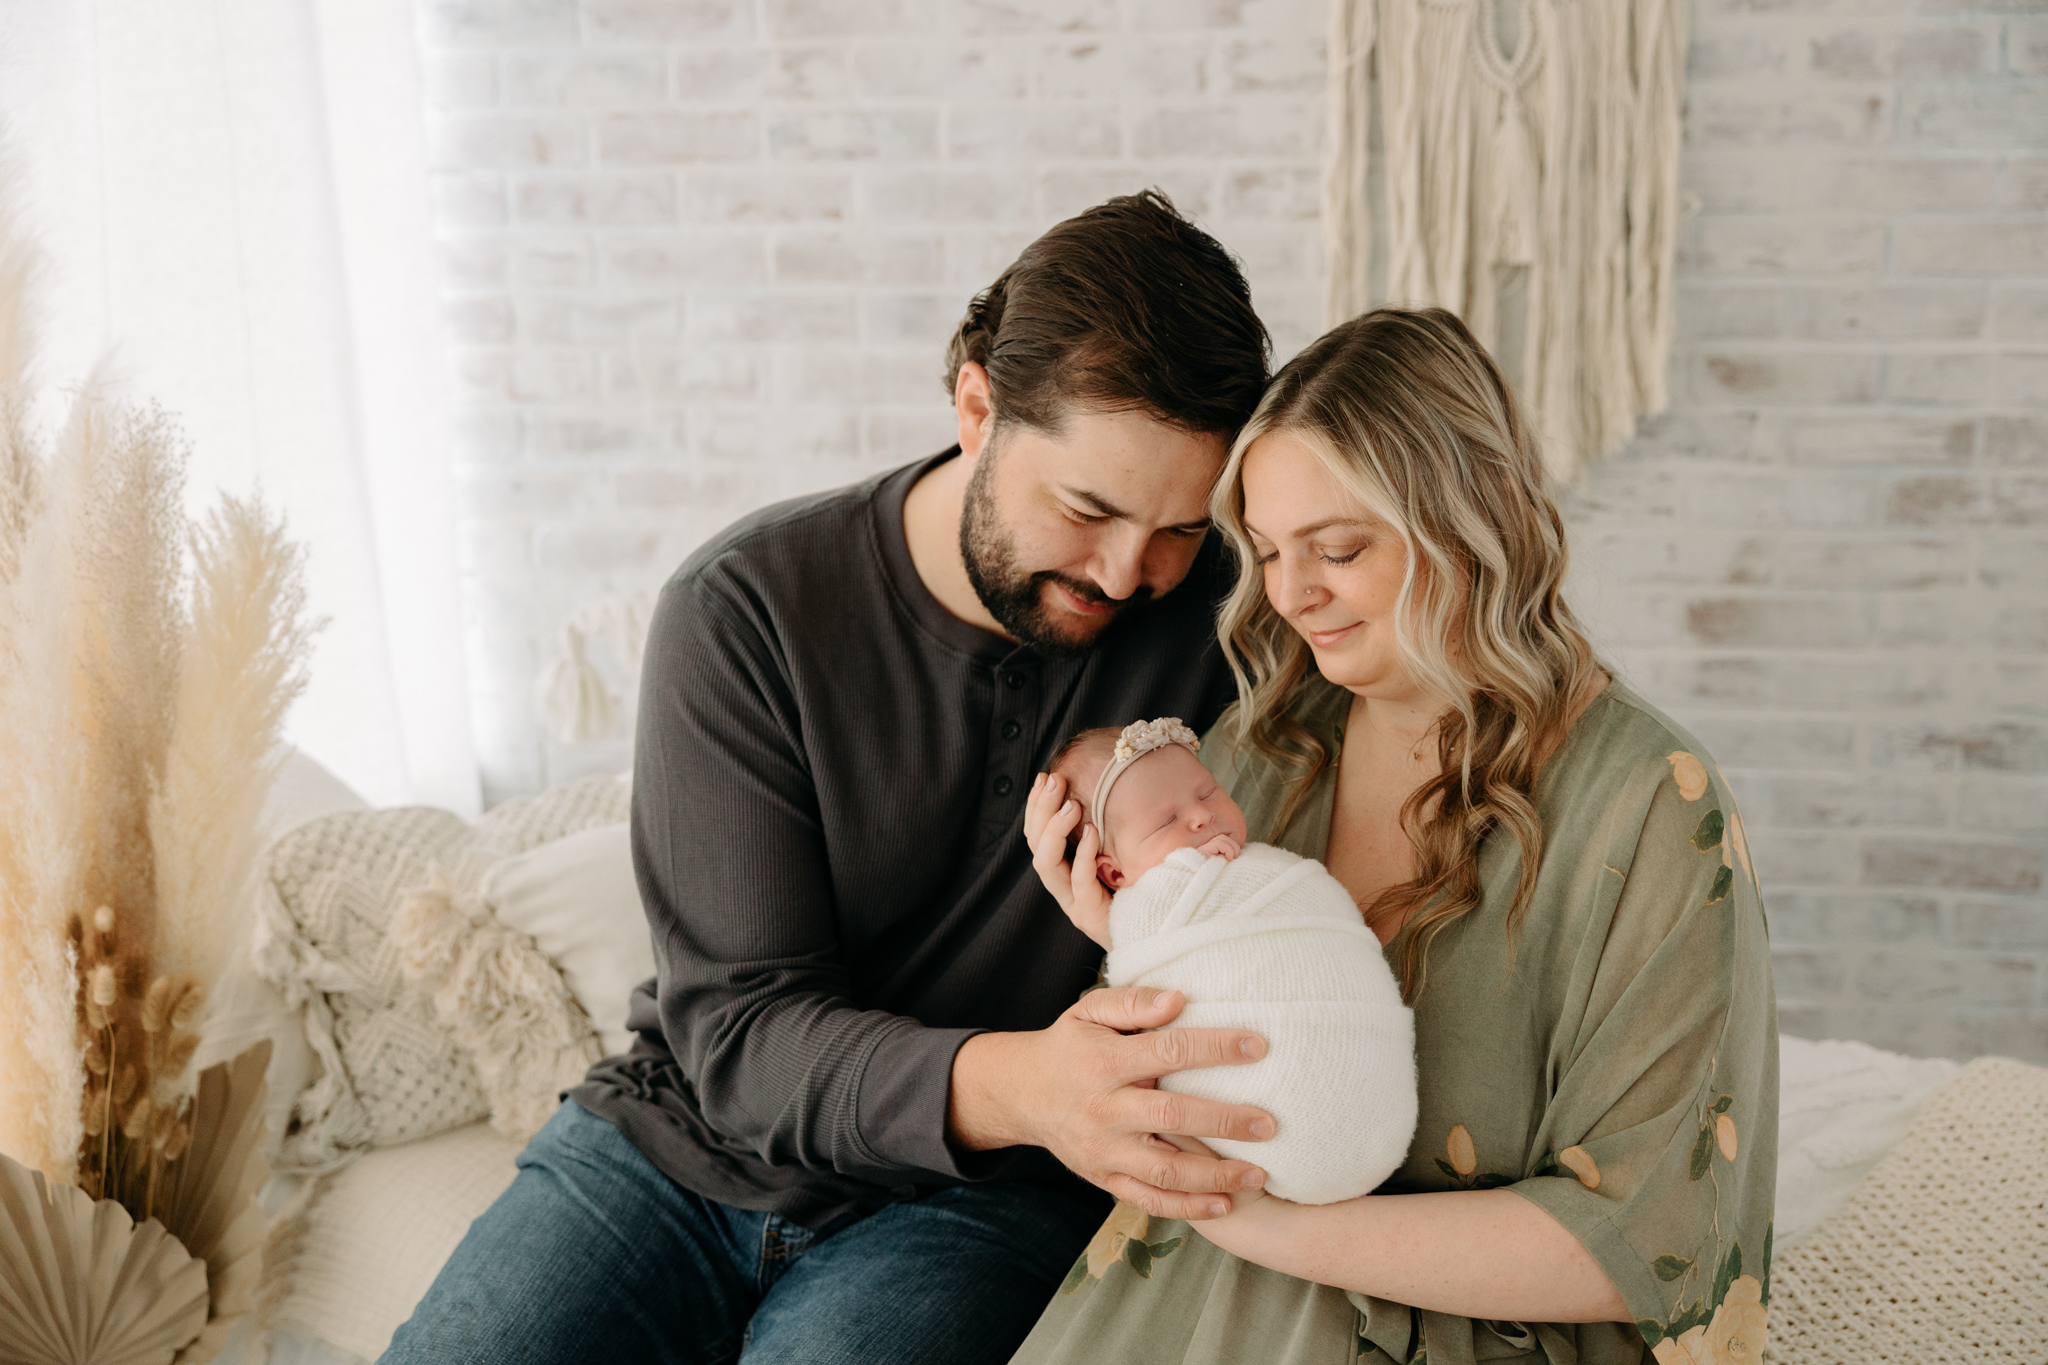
1083 1089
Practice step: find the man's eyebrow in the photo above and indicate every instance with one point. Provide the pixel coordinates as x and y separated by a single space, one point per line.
1102 508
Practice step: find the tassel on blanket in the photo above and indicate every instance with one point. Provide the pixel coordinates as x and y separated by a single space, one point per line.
501 997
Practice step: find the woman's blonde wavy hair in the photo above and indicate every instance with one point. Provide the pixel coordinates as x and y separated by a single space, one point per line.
1410 415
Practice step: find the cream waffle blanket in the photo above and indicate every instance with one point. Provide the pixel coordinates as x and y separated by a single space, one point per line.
1272 943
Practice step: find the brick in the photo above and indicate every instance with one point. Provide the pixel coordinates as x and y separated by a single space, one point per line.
1914 974
1204 14
1793 179
1777 377
459 80
1715 679
776 195
474 262
661 489
861 378
946 195
1900 312
1241 128
659 21
2022 1034
1084 69
1995 747
892 435
1852 802
1970 246
1778 742
2004 805
496 23
1293 193
2014 687
1749 437
2019 500
2026 46
2019 313
478 321
2020 626
1860 916
688 375
2022 377
1886 562
1927 620
554 320
1746 116
812 318
1788 858
558 263
556 435
1937 500
602 549
863 258
854 135
941 70
1037 16
1692 558
677 138
522 492
586 80
974 257
1858 684
1717 311
1795 622
610 199
783 433
1007 133
815 18
528 376
1880 439
1804 974
1063 193
1284 65
1975 114
462 200
684 258
897 317
1915 51
2012 561
502 143
720 75
2024 183
2000 922
1953 379
1732 245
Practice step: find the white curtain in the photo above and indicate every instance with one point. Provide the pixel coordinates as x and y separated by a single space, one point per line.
233 195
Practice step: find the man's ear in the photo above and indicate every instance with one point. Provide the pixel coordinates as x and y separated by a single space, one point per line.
974 404
1108 873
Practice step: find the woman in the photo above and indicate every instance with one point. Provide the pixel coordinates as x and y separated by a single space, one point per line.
1559 877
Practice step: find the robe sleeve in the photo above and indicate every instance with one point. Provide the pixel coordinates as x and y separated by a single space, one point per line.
1658 1147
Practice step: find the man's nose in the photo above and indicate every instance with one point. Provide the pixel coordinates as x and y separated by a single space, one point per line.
1119 567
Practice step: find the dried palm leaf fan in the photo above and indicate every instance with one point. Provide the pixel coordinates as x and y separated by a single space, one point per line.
145 668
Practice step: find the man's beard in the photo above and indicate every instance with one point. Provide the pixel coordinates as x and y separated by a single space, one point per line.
1017 598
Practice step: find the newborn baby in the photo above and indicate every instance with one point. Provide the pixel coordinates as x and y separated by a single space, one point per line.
1255 938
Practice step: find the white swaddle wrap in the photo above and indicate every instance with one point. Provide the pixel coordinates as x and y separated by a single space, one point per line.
1273 943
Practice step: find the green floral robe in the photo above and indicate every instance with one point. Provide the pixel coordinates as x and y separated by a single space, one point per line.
1618 1068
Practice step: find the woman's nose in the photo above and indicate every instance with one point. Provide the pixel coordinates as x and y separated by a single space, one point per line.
1296 588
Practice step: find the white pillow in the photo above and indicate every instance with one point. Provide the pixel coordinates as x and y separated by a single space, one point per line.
576 896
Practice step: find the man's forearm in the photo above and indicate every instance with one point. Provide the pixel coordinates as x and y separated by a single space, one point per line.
1476 1253
981 1114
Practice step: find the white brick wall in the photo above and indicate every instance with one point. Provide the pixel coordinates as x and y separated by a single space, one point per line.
702 254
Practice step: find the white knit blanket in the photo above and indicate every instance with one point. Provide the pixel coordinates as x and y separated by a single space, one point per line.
1273 943
1941 1254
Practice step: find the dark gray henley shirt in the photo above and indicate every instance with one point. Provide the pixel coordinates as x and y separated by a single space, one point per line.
828 799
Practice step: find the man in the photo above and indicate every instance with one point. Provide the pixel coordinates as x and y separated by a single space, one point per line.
863 1085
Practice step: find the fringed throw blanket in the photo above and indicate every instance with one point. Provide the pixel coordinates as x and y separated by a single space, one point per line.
1942 1252
1547 175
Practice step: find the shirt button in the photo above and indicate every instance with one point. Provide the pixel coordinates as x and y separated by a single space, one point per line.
1014 680
1011 729
1004 786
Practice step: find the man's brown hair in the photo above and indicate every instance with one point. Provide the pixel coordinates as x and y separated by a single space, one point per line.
1127 306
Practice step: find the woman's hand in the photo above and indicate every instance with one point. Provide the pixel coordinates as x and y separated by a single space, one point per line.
1050 818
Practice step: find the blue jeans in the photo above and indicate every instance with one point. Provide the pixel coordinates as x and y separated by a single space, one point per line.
594 1255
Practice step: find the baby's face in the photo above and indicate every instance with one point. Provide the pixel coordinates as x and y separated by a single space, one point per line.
1164 801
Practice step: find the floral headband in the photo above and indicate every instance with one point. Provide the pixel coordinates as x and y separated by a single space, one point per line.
1139 738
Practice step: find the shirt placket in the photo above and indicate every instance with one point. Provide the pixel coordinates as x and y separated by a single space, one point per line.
1013 726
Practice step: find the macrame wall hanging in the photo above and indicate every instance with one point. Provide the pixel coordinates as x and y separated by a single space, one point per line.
1531 189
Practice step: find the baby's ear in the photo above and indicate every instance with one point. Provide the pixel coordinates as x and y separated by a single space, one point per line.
1108 873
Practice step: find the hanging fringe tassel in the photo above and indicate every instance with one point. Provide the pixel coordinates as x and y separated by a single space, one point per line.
1512 224
573 699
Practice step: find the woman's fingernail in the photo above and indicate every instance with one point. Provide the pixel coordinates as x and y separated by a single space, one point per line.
1253 1048
1262 1129
1218 1209
1253 1179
